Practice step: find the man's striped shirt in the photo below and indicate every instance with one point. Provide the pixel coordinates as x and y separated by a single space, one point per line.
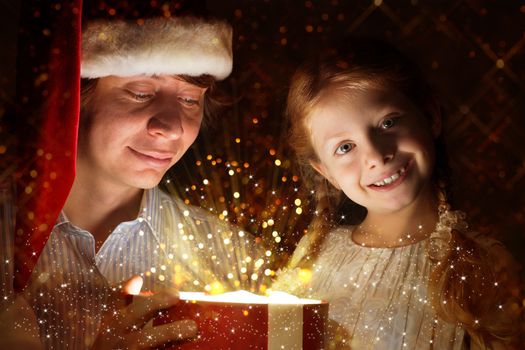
170 244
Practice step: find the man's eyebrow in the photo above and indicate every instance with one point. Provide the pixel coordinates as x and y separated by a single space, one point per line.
166 77
158 77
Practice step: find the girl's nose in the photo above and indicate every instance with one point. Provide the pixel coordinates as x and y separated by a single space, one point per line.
377 153
166 122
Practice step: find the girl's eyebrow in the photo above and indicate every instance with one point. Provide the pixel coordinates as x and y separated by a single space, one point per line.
335 138
337 135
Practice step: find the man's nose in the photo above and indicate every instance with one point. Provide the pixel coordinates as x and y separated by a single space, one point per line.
166 122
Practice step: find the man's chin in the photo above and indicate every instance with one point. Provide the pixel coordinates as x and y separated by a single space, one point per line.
149 186
146 180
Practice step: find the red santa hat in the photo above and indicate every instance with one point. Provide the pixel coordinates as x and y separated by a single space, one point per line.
155 46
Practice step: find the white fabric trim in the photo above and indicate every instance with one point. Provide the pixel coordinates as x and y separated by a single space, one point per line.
171 46
285 326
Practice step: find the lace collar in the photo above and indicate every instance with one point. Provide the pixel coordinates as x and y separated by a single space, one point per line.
439 241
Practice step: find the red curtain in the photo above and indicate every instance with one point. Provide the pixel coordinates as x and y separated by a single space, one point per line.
46 123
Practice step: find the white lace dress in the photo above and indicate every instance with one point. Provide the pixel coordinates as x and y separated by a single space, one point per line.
378 296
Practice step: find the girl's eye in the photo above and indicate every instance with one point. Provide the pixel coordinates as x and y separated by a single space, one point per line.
387 123
345 148
189 101
140 96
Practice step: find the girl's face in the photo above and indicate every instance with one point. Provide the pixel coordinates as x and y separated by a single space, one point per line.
375 146
136 128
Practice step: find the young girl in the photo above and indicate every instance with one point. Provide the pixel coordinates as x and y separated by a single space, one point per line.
409 274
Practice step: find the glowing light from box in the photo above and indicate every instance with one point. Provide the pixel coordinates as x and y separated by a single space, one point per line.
244 297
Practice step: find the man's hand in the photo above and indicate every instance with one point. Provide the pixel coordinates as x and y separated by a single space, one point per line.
122 325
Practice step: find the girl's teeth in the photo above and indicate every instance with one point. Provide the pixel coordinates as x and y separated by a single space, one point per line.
391 179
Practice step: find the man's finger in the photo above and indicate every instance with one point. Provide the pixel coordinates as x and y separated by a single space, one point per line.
159 335
133 285
144 308
122 293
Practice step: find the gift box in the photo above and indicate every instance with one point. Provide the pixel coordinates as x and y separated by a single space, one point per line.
241 320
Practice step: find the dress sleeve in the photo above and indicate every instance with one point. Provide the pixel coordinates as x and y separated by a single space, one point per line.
300 251
293 279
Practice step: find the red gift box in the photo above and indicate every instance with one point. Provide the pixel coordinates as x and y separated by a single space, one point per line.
238 325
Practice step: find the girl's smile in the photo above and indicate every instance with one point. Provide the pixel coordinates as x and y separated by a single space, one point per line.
391 181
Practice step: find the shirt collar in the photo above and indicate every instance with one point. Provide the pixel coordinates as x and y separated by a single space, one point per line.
62 218
151 210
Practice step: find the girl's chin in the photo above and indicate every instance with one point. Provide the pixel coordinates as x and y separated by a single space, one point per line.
392 207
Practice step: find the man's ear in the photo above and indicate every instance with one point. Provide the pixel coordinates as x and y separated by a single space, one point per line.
321 169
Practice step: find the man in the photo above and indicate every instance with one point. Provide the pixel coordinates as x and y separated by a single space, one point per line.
146 87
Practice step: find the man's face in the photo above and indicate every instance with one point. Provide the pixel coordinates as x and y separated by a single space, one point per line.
136 128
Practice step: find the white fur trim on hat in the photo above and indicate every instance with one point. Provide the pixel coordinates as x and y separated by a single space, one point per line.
174 46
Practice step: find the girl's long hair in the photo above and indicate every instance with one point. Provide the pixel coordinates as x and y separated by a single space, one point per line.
359 65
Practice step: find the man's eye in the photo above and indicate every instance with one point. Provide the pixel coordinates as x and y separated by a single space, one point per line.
189 101
140 96
345 148
387 123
